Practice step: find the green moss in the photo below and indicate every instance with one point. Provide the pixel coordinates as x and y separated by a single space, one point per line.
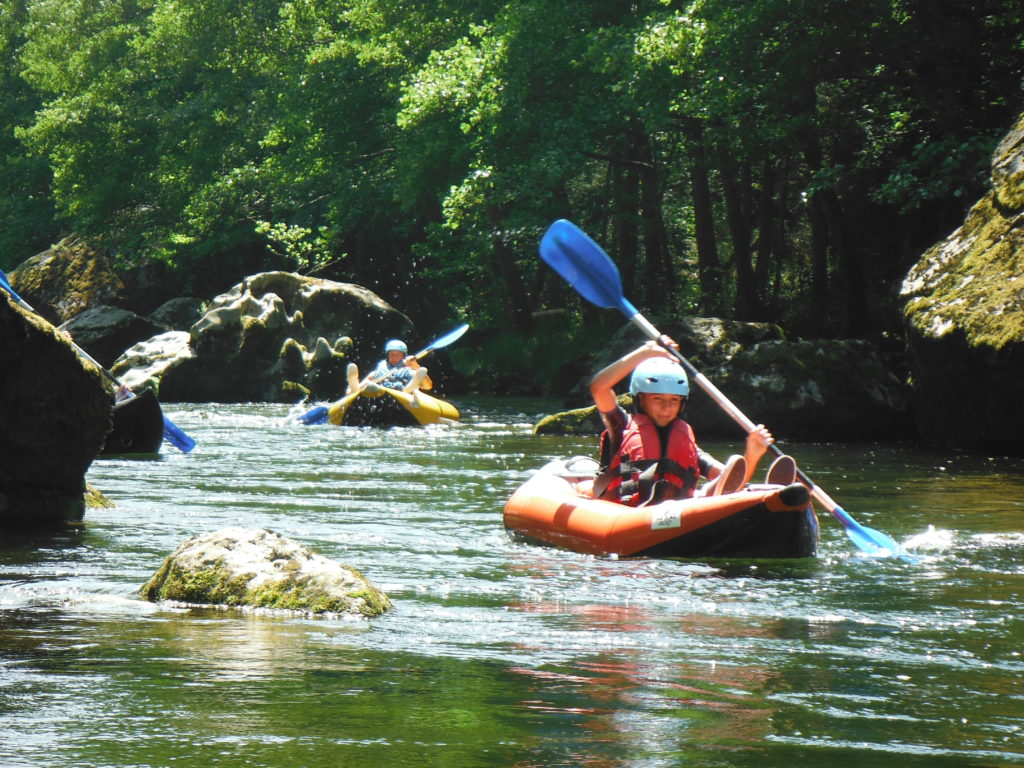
291 595
979 287
94 499
375 602
151 588
213 585
580 421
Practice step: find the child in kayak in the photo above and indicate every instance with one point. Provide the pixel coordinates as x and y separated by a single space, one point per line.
398 370
652 454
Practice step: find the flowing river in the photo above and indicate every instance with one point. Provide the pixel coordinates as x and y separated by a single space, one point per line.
501 654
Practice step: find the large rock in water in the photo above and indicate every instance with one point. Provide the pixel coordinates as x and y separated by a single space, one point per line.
143 365
105 332
73 275
54 417
276 336
822 389
242 567
964 318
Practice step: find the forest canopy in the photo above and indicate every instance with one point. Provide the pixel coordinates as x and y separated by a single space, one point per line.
777 160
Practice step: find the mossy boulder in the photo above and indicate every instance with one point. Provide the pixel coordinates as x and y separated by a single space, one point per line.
964 318
816 389
67 278
271 336
578 421
242 567
54 417
75 274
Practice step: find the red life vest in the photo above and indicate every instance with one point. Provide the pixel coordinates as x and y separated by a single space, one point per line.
638 464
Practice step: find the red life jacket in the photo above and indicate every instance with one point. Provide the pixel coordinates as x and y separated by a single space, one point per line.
638 465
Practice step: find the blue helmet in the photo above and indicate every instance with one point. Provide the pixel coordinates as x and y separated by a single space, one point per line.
659 375
396 344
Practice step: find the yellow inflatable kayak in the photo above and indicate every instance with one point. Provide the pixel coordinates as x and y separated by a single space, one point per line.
390 408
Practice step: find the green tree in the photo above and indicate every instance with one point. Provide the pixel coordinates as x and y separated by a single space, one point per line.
26 211
776 159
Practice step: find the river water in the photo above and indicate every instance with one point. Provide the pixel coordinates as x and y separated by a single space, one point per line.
501 654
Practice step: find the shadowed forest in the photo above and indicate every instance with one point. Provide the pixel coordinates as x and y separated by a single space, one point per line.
771 160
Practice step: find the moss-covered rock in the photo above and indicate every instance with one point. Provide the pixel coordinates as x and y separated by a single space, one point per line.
964 318
76 274
96 499
579 421
54 417
67 278
260 569
269 335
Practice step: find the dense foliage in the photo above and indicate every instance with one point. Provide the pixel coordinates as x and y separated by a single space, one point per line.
781 160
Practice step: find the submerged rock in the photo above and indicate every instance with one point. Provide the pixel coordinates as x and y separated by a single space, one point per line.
243 567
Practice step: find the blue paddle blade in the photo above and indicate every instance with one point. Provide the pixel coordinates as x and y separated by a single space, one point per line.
445 340
316 415
583 264
868 540
176 437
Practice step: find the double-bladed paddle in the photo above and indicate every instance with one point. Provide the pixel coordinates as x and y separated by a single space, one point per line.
172 432
319 414
586 267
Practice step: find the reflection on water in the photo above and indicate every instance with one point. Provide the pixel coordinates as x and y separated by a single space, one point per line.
500 654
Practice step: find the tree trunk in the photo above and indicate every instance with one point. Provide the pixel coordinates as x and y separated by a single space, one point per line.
519 304
850 267
709 268
737 205
661 279
818 305
625 233
766 221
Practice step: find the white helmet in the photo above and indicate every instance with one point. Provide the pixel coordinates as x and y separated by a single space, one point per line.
396 344
659 375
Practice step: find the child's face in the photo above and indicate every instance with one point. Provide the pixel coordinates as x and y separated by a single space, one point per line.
660 408
395 356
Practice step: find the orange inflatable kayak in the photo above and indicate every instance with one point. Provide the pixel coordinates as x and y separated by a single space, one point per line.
553 508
